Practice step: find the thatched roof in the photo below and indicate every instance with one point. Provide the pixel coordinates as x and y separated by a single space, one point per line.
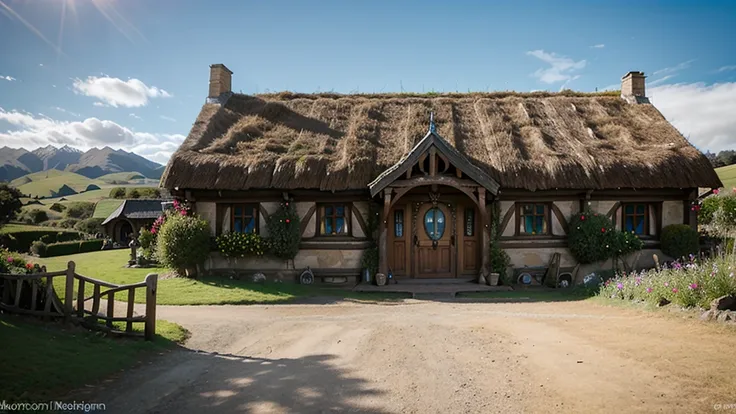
342 142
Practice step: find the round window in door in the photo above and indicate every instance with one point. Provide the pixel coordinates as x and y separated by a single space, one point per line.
434 223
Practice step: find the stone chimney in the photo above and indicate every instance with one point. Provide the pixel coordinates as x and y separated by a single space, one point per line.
633 87
220 80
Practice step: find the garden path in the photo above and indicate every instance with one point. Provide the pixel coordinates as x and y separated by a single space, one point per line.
432 356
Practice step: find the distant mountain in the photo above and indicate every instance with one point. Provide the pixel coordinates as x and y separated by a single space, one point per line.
98 162
17 162
57 158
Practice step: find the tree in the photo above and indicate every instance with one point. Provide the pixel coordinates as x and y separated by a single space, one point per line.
10 203
727 157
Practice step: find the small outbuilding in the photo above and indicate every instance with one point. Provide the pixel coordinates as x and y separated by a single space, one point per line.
132 215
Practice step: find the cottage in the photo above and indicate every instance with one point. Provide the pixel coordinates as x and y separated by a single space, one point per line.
439 168
130 217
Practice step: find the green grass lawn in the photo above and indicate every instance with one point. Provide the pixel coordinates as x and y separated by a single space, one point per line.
40 361
109 266
14 228
728 176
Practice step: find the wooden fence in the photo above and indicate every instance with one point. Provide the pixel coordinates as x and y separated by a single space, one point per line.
34 294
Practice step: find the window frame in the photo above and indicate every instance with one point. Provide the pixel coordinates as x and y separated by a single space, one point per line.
647 217
398 223
473 229
254 207
547 215
347 216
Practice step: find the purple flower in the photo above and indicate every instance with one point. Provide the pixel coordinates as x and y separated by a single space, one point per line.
620 286
674 290
649 290
666 284
10 260
693 286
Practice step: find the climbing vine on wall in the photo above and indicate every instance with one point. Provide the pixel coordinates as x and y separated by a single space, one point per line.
284 231
499 260
370 255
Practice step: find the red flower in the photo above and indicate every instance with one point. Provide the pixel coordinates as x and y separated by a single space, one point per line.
29 266
288 221
716 191
582 217
603 230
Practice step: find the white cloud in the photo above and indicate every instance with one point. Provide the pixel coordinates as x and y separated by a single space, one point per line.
561 67
673 69
116 92
132 115
66 112
28 130
612 87
726 68
8 78
703 113
160 152
598 46
99 104
167 118
661 80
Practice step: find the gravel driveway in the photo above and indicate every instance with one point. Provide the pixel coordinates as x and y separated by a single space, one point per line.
432 357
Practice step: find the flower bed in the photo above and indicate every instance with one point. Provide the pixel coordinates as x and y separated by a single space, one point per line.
690 283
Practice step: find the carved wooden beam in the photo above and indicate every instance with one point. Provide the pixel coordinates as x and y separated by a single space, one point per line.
306 218
506 218
561 218
359 217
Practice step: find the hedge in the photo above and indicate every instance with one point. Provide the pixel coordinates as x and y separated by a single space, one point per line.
21 241
66 248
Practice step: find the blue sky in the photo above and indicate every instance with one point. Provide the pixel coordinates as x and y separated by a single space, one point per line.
133 74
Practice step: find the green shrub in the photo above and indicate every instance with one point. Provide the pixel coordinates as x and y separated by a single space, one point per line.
500 262
241 245
707 208
68 223
33 216
147 240
21 241
90 225
183 242
38 248
14 263
284 231
117 192
132 192
58 207
10 203
67 248
680 240
80 210
593 238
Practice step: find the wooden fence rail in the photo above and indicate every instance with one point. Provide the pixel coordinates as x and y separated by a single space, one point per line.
34 294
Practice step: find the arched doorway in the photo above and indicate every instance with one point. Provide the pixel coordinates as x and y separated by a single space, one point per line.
122 232
434 235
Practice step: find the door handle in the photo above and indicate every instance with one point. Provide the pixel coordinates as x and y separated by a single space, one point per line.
452 240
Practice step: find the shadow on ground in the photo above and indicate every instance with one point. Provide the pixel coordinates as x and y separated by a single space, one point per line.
194 382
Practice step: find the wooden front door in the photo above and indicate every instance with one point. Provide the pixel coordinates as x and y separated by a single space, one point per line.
434 250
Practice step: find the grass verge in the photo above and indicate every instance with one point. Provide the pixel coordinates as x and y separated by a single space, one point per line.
109 266
40 361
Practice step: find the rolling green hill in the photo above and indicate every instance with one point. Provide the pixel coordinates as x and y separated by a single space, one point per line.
53 183
727 175
121 177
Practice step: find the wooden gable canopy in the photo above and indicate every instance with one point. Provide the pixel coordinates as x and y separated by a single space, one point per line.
433 142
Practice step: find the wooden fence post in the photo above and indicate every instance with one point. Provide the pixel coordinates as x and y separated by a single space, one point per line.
151 285
69 292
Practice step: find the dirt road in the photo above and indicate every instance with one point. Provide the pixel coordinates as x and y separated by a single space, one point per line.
433 357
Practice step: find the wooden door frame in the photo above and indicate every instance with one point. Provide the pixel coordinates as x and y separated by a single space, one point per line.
416 218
